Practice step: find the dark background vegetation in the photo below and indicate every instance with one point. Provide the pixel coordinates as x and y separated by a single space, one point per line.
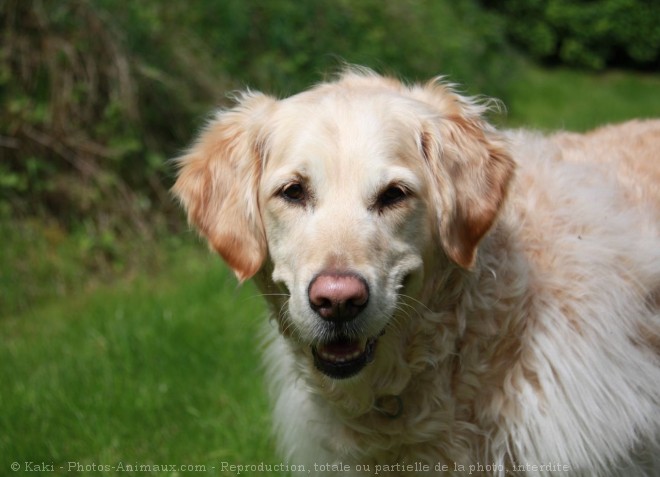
589 34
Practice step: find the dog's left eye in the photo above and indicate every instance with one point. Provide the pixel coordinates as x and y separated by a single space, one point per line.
294 192
391 196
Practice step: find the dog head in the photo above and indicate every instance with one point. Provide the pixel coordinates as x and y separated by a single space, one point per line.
349 192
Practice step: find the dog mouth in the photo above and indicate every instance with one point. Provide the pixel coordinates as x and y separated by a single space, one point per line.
343 357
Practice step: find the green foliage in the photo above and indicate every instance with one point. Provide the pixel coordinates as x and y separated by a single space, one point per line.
97 94
417 39
72 135
284 46
591 34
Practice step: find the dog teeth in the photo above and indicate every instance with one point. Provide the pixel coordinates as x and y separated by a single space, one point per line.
342 351
339 359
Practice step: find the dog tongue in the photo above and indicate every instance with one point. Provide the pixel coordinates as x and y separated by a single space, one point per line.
342 347
341 350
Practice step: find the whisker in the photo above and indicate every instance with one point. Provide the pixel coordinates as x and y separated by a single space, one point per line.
284 311
269 294
416 301
264 295
287 327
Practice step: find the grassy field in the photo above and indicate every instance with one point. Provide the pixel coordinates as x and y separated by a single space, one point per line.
161 367
158 369
571 100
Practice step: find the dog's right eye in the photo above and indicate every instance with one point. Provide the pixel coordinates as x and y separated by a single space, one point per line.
294 192
391 197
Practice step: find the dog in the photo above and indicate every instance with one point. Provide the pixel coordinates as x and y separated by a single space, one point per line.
446 298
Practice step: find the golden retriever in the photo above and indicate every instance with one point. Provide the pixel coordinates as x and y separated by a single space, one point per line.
450 299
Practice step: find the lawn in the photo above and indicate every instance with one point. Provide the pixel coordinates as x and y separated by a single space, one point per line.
156 369
161 366
572 100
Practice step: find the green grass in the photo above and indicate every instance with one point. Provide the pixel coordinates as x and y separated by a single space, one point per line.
43 262
162 366
577 101
155 370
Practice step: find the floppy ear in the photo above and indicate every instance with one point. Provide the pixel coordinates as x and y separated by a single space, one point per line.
218 180
471 168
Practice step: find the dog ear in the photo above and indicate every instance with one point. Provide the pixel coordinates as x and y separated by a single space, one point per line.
218 183
471 168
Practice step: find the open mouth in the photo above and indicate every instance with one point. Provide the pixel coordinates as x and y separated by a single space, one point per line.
343 357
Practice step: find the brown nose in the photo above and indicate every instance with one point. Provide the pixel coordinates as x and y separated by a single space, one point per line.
338 297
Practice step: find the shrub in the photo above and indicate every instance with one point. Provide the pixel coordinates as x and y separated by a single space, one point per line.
591 34
96 95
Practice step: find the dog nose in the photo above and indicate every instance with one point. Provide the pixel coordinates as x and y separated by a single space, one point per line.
338 297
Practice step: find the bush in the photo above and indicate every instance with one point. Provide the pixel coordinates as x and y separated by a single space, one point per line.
588 34
96 95
84 121
283 46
